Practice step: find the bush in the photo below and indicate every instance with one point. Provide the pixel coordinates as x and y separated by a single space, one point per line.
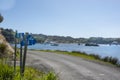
96 56
112 60
6 72
83 53
106 59
3 48
75 51
49 76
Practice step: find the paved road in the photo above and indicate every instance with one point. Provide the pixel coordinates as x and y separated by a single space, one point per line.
74 68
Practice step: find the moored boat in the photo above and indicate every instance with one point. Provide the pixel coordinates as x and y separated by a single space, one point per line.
54 44
91 44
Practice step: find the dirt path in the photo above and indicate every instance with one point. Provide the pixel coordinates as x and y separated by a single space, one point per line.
73 68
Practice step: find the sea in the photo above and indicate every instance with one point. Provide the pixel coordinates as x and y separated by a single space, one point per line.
102 50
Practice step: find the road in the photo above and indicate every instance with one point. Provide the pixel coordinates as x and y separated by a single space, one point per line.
74 68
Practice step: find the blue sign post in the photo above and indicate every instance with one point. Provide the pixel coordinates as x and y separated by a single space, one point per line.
25 40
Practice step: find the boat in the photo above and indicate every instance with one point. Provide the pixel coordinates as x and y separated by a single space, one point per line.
79 44
54 44
91 44
114 43
46 42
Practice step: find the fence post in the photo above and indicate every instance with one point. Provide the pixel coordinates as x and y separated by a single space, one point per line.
21 61
15 51
25 52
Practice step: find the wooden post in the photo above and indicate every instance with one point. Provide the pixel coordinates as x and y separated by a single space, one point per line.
25 52
15 52
21 61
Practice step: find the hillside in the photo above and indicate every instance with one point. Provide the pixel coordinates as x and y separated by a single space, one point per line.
62 39
8 34
41 38
9 49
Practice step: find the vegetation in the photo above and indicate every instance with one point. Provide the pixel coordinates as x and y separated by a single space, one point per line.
112 60
61 39
8 34
3 50
41 38
1 18
93 57
7 73
7 70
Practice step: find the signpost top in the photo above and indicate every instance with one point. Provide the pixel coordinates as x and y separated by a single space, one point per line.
29 38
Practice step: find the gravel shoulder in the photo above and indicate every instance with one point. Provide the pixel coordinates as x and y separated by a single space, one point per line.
70 67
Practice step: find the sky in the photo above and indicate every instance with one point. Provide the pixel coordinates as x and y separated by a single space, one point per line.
75 18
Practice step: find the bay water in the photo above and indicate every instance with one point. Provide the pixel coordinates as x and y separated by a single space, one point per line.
102 50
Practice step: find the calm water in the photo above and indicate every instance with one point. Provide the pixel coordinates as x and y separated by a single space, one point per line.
103 50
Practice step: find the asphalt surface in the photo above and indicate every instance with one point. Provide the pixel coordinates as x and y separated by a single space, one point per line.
74 68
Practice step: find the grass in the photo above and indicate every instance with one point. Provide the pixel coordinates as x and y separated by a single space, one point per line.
93 57
7 73
33 74
73 53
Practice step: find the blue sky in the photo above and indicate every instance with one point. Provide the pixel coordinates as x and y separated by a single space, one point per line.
76 18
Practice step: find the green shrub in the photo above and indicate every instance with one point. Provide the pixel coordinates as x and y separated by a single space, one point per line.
3 48
83 53
6 72
49 76
112 60
96 56
106 59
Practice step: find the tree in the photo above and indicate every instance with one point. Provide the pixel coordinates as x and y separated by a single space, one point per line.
1 18
8 34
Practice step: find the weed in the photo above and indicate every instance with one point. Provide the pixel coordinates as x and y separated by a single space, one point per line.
6 72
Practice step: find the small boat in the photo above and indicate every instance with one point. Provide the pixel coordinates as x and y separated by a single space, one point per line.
114 43
54 44
91 44
46 42
79 44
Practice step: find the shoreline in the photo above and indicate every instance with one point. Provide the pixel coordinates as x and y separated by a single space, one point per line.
110 61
